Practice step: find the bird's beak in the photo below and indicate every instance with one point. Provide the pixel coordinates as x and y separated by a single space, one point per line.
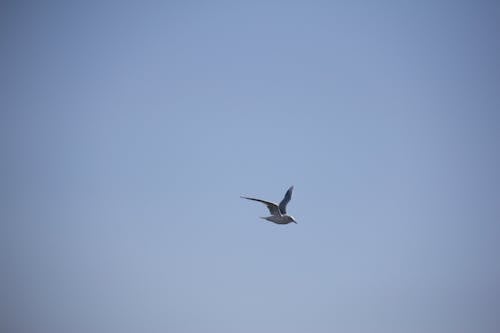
295 222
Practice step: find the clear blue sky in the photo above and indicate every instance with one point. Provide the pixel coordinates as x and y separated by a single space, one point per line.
129 130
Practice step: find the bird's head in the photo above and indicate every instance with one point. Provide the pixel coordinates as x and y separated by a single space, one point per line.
292 219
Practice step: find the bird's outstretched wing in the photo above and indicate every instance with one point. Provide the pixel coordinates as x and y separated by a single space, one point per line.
273 208
286 199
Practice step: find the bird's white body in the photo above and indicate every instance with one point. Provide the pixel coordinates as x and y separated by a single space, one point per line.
278 212
283 219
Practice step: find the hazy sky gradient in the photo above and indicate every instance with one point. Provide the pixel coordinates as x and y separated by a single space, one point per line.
130 129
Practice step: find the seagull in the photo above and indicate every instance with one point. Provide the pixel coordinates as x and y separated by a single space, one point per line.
278 212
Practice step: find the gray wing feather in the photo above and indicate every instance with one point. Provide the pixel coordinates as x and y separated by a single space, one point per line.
286 200
273 208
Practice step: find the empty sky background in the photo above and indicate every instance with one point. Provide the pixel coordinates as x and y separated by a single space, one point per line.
130 129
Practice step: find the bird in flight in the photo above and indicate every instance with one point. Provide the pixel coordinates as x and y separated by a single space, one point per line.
278 212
